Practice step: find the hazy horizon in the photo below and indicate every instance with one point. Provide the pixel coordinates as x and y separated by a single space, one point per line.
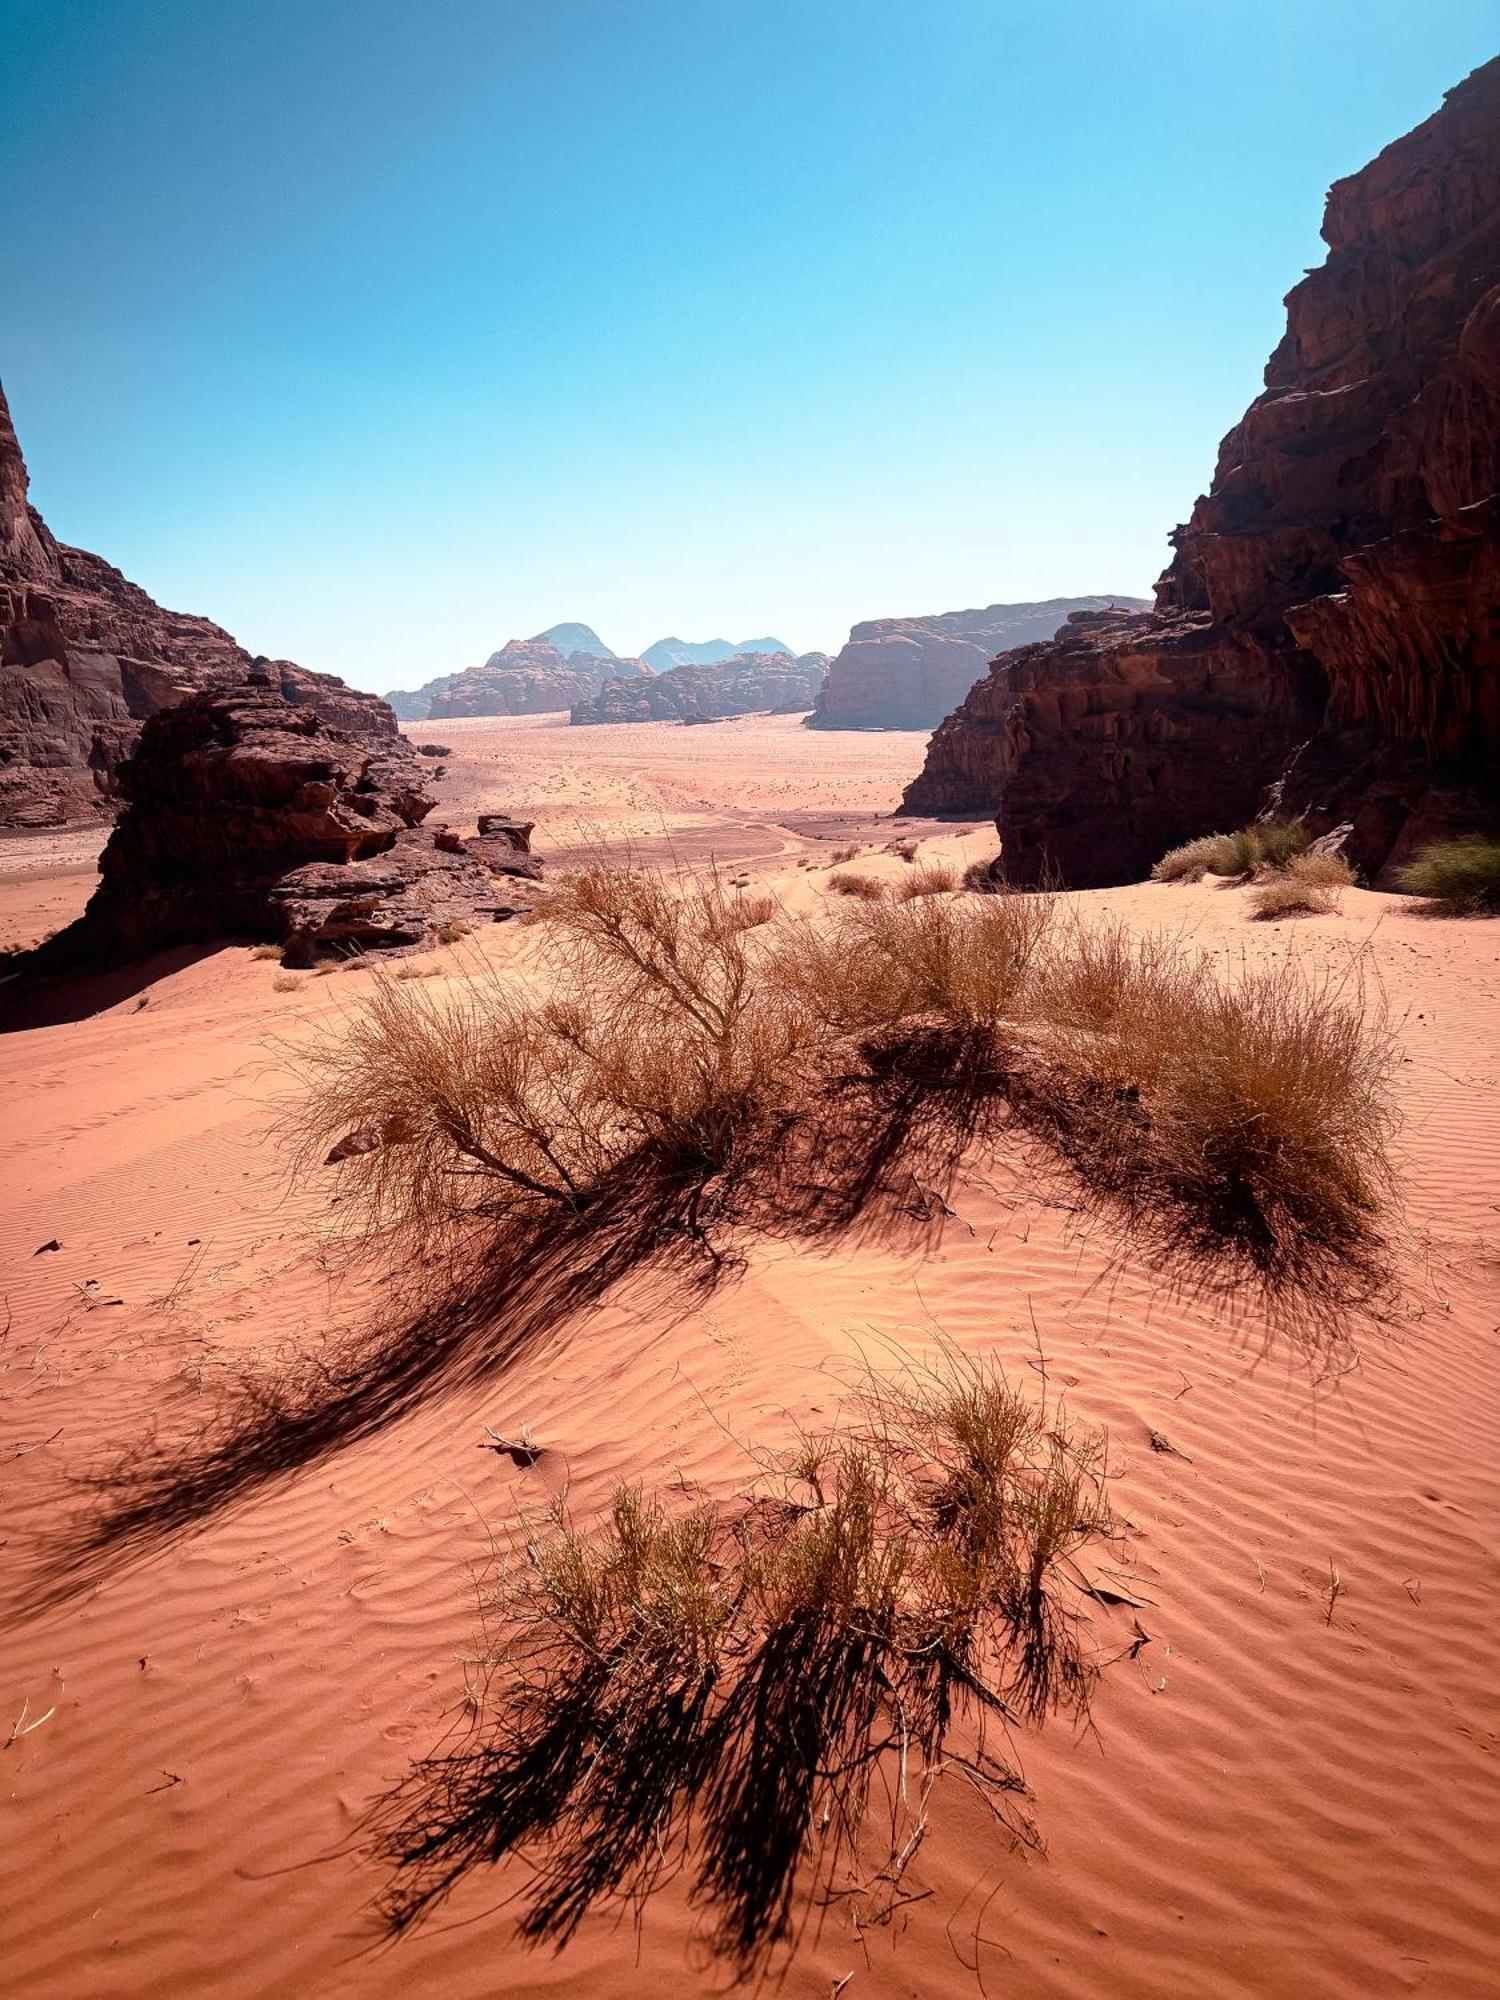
382 338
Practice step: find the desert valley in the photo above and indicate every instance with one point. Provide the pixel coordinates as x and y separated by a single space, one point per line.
729 1318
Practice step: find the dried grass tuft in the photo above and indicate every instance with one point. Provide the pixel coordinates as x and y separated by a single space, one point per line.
720 1689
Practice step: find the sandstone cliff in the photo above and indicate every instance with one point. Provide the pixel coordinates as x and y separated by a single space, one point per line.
86 656
908 673
747 684
1326 636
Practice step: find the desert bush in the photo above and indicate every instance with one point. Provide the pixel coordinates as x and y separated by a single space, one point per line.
454 933
776 1075
930 879
285 982
1327 871
417 968
842 854
1269 843
1457 877
904 850
979 877
868 888
1247 1115
720 1688
269 952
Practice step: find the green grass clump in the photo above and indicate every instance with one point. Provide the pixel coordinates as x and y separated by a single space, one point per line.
1457 877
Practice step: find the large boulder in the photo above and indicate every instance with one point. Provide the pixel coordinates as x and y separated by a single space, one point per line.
86 656
1326 638
250 816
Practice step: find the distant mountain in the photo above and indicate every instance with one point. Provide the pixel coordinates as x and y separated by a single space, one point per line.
708 653
571 639
744 684
908 673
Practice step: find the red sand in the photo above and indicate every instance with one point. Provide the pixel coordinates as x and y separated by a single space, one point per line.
1269 1801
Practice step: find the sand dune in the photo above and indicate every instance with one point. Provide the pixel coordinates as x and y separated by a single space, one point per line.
1278 1795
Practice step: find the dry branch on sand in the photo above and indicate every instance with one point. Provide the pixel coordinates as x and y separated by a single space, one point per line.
719 1690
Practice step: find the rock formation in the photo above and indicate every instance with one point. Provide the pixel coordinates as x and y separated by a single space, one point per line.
908 673
1326 637
668 653
526 677
747 684
249 816
86 656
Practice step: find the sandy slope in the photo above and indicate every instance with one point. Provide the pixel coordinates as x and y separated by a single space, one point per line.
1271 1801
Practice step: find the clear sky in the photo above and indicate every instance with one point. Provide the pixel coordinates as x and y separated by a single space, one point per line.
384 332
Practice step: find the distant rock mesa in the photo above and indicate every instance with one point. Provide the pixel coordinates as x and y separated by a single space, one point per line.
526 677
908 673
1326 638
86 656
747 684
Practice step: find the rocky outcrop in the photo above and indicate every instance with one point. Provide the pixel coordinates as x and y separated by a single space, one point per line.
523 671
908 673
748 684
526 677
1326 637
249 816
668 653
86 656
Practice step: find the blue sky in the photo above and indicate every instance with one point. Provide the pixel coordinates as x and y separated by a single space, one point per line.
383 333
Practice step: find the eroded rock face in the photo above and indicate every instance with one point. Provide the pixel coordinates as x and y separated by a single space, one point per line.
86 656
250 816
908 673
747 684
1326 637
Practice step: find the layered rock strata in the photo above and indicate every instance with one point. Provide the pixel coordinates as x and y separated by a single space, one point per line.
249 816
1326 639
86 656
748 684
908 673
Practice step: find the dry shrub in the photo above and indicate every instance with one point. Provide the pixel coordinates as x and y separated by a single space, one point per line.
983 877
417 968
454 933
931 879
1269 843
1241 1119
904 850
285 982
842 854
1457 877
269 952
720 1689
867 888
1327 871
1245 1116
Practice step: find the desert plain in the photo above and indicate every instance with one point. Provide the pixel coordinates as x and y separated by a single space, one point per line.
1289 1779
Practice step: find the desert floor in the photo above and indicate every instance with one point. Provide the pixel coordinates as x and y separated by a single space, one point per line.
1286 1788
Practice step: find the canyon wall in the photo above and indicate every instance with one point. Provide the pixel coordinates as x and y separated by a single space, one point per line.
908 673
86 656
1326 638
